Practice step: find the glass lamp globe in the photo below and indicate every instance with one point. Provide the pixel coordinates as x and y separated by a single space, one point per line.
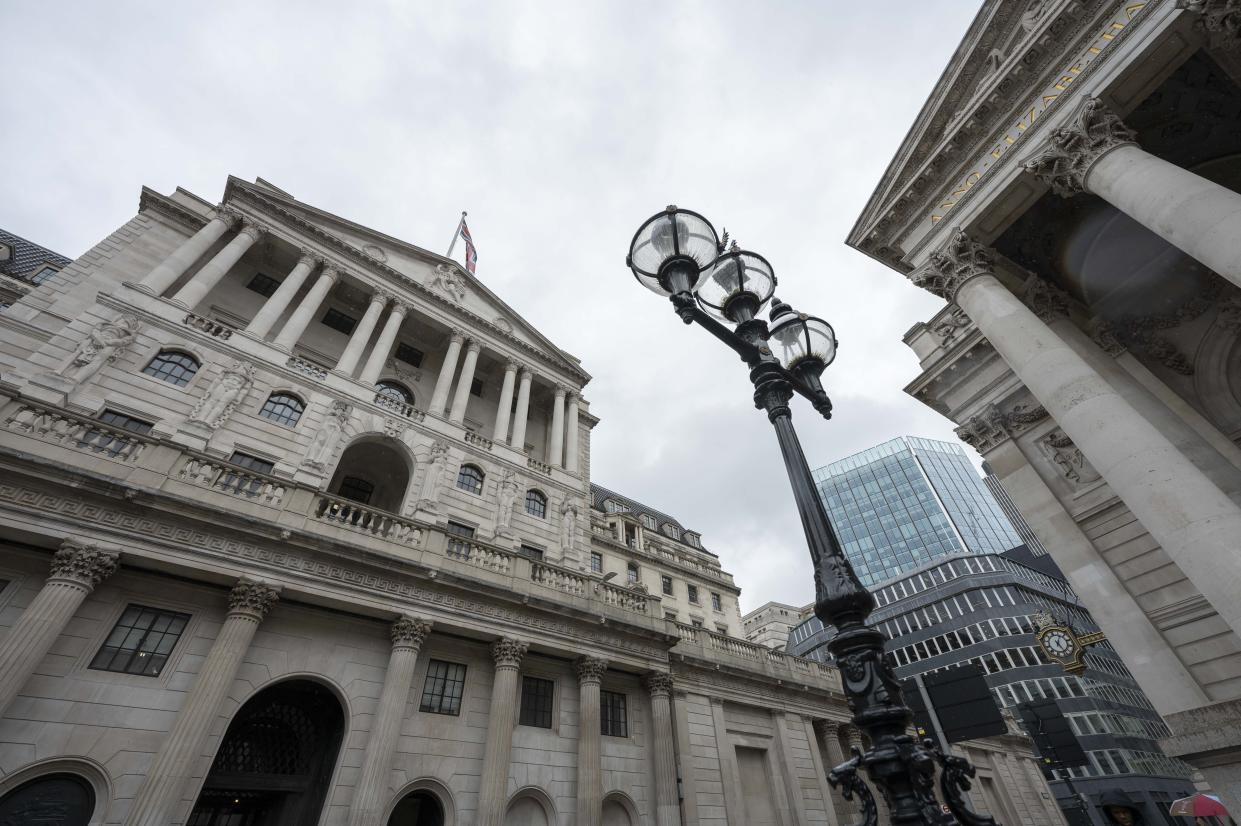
672 251
802 343
737 287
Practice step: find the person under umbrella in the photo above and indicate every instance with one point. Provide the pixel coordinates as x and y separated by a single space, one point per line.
1120 809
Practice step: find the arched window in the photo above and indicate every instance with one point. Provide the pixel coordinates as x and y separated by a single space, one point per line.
536 504
283 408
173 367
395 391
470 478
356 489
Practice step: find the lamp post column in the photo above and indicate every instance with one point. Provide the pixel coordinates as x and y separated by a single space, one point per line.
300 320
555 450
443 382
505 407
518 440
76 570
214 270
174 266
493 785
271 310
667 804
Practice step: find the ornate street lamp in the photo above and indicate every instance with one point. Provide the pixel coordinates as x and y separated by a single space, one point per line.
676 254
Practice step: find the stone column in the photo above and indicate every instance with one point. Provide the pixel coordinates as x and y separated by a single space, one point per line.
505 408
1195 522
493 785
589 741
518 440
383 345
462 397
663 750
196 289
174 266
362 333
76 569
275 306
828 733
1096 153
371 793
572 437
439 396
301 318
555 450
165 781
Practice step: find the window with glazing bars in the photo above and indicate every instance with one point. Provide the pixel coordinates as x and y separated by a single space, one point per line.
666 583
339 321
536 504
283 408
596 562
409 354
716 602
236 483
458 539
140 641
613 719
172 367
470 478
264 285
441 693
536 702
692 592
104 442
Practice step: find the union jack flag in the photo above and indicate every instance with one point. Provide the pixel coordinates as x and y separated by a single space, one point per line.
471 254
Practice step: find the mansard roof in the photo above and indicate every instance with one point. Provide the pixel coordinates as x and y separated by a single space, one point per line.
28 256
599 495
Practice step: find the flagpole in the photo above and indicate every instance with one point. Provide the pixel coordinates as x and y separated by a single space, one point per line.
456 234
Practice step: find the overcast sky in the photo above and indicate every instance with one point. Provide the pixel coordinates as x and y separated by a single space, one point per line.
560 127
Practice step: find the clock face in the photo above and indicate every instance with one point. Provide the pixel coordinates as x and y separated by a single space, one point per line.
1059 643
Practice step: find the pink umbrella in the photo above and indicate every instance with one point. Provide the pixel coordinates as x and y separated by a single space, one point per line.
1199 805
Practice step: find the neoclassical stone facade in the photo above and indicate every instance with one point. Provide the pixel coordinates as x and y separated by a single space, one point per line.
1071 190
296 527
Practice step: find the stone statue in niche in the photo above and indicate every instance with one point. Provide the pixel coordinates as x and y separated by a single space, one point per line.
224 394
568 525
448 282
102 345
327 437
507 496
1067 459
436 463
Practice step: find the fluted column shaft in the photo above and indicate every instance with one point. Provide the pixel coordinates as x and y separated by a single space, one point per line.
164 785
1194 521
555 450
589 741
300 320
443 382
462 397
493 785
571 460
76 570
371 793
505 408
174 266
523 411
828 732
275 306
362 334
196 289
667 802
383 345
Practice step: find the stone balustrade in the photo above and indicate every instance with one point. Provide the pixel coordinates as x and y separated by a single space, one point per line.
479 555
213 328
625 598
741 653
231 479
358 517
541 467
68 429
472 438
401 408
306 368
559 579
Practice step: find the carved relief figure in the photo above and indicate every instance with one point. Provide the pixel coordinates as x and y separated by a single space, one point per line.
448 282
327 437
506 497
102 345
568 525
1067 458
224 394
434 475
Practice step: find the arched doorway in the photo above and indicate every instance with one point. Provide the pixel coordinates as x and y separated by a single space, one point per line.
420 808
616 811
373 471
530 808
275 762
59 799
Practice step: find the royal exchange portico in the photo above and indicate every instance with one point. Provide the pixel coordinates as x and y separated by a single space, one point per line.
1072 189
296 527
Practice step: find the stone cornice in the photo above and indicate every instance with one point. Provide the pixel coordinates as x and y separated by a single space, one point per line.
152 201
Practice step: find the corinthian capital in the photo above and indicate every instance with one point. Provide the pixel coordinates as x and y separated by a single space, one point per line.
1073 148
252 598
1045 300
507 652
84 565
409 632
658 682
253 228
590 669
957 261
228 214
1220 19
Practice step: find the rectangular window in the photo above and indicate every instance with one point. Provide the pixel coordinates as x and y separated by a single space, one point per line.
141 641
670 615
536 702
692 591
596 562
458 539
716 602
234 483
697 623
42 275
441 694
721 629
249 462
409 355
264 285
101 441
339 321
666 582
476 387
531 552
613 719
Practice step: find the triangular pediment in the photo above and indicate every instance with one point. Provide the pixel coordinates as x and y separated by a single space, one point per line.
444 279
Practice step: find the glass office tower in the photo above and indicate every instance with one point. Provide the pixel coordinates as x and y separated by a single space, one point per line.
906 502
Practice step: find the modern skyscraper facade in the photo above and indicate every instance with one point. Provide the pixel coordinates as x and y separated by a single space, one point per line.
903 503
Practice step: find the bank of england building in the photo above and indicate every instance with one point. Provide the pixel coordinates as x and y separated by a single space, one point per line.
1070 189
